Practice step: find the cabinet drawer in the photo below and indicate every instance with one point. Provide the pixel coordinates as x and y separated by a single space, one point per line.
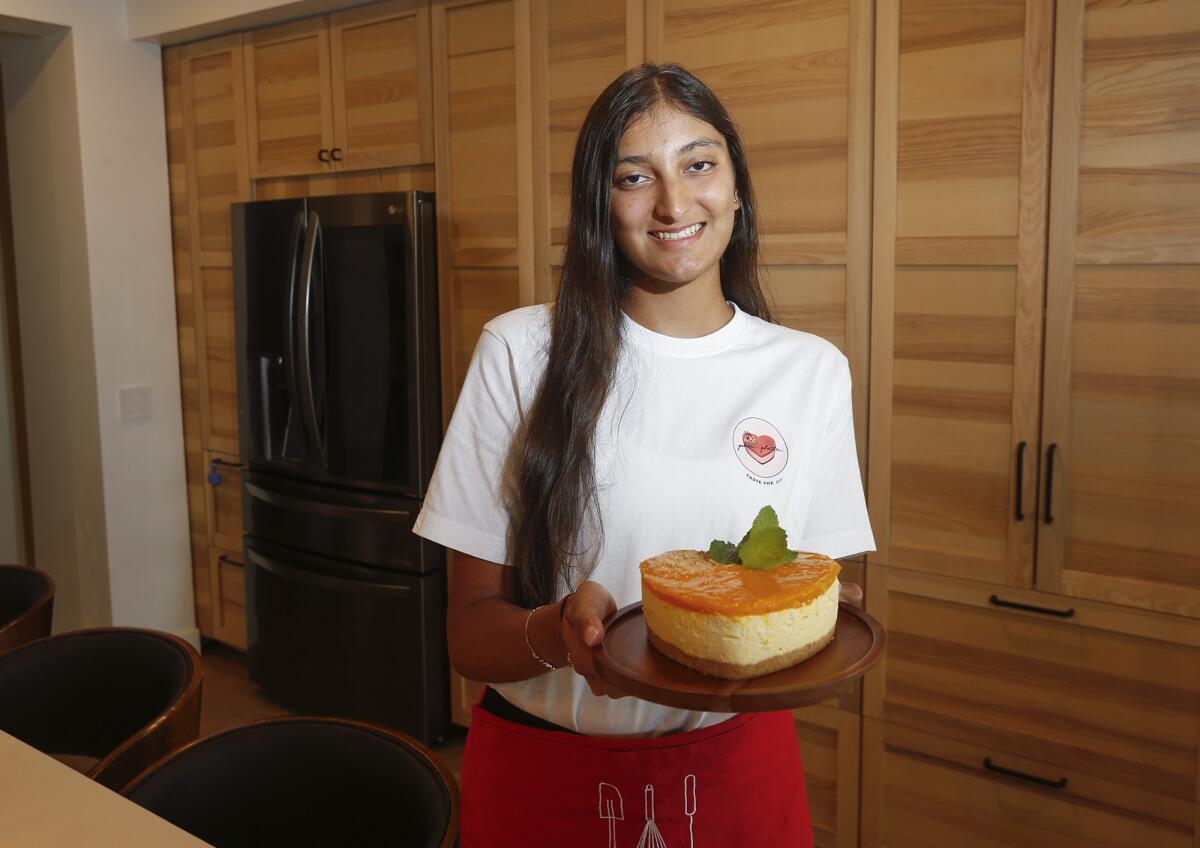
1102 691
921 790
229 597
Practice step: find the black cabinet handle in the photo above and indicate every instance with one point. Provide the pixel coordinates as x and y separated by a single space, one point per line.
1020 510
336 154
1020 775
323 154
214 476
229 561
1050 481
996 600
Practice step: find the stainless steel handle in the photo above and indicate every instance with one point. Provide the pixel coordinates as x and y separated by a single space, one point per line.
308 406
322 508
298 233
313 578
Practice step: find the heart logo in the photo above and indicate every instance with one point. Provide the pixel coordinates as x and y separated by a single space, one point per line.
761 448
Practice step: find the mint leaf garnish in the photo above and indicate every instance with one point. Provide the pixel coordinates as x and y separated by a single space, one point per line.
723 552
763 546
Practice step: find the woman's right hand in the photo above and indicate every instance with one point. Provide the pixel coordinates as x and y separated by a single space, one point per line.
583 614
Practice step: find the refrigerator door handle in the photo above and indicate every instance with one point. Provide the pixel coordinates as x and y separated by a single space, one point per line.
312 243
297 238
315 578
311 506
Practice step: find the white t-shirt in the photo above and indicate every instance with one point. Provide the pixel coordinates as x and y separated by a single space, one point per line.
696 436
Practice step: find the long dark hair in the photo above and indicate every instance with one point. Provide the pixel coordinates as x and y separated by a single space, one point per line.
553 495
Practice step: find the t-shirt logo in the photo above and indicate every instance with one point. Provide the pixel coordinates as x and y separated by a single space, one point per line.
759 447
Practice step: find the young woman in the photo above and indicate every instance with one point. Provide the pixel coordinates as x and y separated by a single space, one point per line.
612 426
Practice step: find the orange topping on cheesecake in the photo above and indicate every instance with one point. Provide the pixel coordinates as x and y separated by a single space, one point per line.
692 580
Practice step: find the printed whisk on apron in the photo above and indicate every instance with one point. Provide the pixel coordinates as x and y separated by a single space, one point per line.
651 838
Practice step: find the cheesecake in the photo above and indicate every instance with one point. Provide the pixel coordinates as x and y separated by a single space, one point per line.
734 622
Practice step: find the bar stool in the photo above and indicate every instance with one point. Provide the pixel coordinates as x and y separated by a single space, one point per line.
304 781
26 605
115 698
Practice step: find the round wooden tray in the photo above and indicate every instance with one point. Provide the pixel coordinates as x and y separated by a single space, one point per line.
626 659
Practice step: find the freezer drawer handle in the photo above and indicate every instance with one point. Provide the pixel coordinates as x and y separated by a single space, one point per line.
289 502
313 578
1000 602
228 560
1020 775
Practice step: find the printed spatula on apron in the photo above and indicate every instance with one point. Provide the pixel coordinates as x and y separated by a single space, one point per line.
651 838
612 810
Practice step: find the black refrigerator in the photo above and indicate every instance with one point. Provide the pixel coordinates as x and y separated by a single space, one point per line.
339 418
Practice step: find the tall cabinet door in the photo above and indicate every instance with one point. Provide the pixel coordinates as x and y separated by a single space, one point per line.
579 47
482 104
381 85
289 100
796 77
1122 401
961 156
214 127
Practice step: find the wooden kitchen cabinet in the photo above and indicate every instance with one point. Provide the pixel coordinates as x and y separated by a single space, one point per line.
1065 463
223 484
289 100
961 168
922 789
226 569
347 91
1106 697
1121 405
381 77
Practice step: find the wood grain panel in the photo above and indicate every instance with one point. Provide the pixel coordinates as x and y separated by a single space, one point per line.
585 51
1122 395
483 97
229 596
926 789
185 319
224 502
810 299
1098 698
381 84
829 745
962 140
220 358
289 98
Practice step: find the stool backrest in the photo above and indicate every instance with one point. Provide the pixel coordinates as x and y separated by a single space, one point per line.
26 605
124 696
304 780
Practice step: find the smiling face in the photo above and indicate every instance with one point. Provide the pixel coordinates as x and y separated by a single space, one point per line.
673 200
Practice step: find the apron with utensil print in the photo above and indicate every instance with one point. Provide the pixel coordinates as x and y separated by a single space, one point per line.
737 783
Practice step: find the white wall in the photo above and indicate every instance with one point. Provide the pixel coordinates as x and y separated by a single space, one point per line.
87 155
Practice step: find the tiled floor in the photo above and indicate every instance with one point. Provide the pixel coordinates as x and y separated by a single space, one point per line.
229 699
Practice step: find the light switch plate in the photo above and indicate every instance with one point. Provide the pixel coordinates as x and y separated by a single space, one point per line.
134 402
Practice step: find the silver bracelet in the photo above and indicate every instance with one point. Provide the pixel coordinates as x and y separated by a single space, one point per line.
532 651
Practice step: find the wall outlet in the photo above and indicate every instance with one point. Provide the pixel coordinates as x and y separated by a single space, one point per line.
134 402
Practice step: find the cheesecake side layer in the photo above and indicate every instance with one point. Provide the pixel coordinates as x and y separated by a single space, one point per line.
769 641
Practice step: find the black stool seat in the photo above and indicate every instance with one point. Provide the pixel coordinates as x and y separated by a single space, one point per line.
304 781
121 695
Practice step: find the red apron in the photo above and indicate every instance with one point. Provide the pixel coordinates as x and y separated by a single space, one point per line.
736 783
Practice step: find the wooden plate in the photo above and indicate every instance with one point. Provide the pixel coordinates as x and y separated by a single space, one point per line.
626 659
